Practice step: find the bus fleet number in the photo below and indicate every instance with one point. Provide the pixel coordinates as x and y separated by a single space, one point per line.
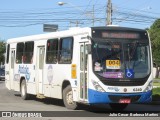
114 62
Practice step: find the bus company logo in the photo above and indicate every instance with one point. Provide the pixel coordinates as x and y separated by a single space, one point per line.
50 74
125 89
17 77
24 70
114 88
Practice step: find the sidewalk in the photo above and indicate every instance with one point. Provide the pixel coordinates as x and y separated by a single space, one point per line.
156 80
156 98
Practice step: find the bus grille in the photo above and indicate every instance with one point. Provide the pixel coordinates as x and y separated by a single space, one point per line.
123 83
116 98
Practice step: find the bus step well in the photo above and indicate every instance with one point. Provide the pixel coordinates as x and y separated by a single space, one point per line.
40 96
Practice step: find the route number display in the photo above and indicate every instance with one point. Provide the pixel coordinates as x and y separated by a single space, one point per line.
113 64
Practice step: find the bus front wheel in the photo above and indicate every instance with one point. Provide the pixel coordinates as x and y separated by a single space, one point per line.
68 98
24 93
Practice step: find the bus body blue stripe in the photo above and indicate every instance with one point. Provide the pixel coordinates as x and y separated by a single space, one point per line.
102 97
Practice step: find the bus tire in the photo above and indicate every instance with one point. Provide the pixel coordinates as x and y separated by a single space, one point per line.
118 106
68 98
24 94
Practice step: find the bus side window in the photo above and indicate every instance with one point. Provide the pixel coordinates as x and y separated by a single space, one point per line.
52 51
8 51
28 52
66 50
19 52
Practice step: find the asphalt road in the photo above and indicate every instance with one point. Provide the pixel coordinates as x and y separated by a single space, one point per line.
11 101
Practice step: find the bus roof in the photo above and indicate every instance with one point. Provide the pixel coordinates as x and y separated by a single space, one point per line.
51 35
65 33
117 28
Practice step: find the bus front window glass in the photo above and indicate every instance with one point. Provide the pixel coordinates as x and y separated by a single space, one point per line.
108 59
127 59
136 58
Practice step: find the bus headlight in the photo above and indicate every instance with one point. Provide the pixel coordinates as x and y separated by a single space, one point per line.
97 86
149 87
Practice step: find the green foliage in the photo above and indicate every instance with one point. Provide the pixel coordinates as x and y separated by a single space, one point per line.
156 91
2 51
156 94
154 32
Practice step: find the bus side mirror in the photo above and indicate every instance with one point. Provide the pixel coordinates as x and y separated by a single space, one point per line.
89 49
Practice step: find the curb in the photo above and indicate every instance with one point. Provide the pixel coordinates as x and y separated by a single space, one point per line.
156 86
156 80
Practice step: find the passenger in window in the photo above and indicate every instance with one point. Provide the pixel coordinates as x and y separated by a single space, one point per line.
17 61
23 58
116 51
50 59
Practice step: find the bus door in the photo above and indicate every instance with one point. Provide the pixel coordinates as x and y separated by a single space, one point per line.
40 66
83 72
11 71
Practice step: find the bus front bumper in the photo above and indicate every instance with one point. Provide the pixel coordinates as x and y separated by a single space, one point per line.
105 97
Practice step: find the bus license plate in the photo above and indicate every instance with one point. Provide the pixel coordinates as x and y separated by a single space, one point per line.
125 101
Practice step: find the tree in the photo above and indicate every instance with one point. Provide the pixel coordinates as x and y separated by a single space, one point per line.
154 32
2 51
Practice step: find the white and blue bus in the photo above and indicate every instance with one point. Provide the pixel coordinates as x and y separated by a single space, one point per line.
108 65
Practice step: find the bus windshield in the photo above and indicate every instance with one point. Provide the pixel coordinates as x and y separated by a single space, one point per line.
121 58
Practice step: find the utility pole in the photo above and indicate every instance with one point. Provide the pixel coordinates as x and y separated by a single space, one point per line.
109 13
76 23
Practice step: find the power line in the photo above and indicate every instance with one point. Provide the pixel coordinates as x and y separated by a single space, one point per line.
30 18
135 10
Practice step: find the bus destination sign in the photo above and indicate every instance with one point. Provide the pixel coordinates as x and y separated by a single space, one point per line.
123 35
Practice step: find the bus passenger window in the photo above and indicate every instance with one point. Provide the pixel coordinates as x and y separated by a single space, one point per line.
19 52
28 52
66 50
8 51
52 51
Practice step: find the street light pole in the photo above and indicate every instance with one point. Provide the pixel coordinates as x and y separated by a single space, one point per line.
63 3
93 17
109 13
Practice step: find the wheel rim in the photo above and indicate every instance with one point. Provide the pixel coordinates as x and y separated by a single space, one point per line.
69 98
23 90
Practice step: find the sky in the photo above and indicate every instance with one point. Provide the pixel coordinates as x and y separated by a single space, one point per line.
26 17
